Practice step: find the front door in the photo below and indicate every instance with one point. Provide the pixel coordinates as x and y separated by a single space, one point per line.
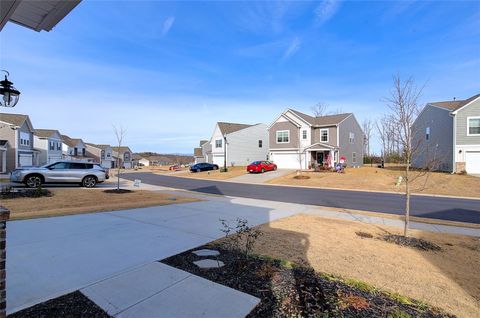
319 157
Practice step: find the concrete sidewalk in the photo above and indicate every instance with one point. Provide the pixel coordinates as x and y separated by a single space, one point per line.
159 290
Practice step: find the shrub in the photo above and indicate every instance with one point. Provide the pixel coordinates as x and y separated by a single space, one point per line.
244 238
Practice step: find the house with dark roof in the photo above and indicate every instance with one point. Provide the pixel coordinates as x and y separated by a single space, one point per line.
242 144
75 149
16 136
449 135
103 154
123 157
49 143
301 141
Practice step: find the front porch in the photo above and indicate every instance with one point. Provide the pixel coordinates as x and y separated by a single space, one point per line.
321 155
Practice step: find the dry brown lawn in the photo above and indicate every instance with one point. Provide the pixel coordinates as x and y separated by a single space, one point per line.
216 174
448 279
368 178
77 201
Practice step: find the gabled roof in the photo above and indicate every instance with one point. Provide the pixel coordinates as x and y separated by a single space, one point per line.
71 142
202 142
228 128
197 152
454 105
322 120
14 119
102 147
121 149
45 133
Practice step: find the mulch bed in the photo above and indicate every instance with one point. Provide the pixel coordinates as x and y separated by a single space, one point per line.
12 193
118 191
73 305
287 290
411 242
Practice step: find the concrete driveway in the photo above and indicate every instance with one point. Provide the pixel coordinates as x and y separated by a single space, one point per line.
261 177
50 257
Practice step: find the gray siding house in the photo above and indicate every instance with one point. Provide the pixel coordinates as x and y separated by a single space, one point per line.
300 140
49 143
16 136
103 154
448 135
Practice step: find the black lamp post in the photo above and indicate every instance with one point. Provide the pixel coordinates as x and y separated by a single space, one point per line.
9 94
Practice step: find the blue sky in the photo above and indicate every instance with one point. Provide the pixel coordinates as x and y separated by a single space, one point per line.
167 71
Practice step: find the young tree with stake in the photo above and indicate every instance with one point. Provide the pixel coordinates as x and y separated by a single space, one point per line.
119 134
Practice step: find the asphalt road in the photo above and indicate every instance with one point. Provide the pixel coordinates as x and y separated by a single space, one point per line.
452 209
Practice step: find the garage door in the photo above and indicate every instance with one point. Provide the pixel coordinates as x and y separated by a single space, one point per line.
472 161
218 160
25 160
285 160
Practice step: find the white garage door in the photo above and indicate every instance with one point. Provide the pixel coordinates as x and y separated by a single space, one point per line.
472 161
285 160
218 160
25 160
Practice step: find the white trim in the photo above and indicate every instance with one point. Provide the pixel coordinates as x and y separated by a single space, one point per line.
284 149
468 125
454 149
328 134
457 110
282 142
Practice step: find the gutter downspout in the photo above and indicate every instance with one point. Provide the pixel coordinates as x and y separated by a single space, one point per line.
454 150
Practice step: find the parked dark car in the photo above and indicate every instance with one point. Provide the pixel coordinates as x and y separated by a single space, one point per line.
204 166
261 166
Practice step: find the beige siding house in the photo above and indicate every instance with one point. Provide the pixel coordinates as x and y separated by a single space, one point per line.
124 156
300 140
16 136
449 135
103 154
49 143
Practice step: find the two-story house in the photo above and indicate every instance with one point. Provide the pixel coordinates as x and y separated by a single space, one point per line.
103 154
123 157
244 144
448 135
16 134
300 141
49 143
74 149
200 154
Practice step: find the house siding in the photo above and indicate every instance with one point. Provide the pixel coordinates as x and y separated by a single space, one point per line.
242 145
284 125
347 149
332 135
7 133
439 147
461 124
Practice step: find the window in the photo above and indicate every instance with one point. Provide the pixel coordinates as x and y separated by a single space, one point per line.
58 166
102 154
52 145
352 138
427 133
59 146
304 134
283 136
473 126
77 165
218 143
83 152
260 143
324 135
24 139
354 157
75 151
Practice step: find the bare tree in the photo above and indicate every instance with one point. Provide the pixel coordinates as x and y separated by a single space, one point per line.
119 134
381 126
319 109
367 126
404 108
301 159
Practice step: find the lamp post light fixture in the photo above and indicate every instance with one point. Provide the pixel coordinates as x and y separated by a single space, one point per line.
10 95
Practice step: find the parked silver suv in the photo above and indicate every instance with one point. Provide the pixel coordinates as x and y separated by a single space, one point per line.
85 173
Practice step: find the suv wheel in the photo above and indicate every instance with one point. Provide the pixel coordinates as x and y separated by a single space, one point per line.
33 181
89 182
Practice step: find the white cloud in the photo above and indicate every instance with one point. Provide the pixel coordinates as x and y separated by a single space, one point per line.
167 25
292 48
326 10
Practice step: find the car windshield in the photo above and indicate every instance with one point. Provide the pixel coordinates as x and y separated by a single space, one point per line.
256 163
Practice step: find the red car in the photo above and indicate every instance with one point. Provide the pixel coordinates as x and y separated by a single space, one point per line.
261 166
174 168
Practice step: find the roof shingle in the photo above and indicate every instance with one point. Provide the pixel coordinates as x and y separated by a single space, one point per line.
14 119
228 128
322 120
454 104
